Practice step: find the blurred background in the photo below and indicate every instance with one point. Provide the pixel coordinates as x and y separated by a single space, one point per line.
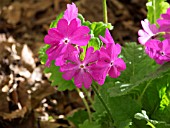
26 98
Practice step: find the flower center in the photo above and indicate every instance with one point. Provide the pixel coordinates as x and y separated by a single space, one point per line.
82 66
111 63
162 53
66 40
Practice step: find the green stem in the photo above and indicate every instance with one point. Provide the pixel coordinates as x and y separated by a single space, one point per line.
143 92
103 103
105 12
85 103
154 13
88 95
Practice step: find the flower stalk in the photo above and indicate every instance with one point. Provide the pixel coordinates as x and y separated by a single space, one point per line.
103 102
87 93
85 103
105 12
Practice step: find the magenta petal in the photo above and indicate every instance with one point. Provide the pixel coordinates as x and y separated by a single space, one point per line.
51 54
53 36
69 74
90 56
158 61
116 50
99 72
113 72
82 30
60 60
87 80
80 36
71 12
104 54
78 79
50 40
54 33
104 40
166 45
73 57
68 67
153 29
72 27
62 26
154 44
108 36
107 39
120 64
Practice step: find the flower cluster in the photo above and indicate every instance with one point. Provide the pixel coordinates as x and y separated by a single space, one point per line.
157 39
65 42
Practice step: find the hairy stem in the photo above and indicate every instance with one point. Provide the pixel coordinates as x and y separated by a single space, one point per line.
102 101
154 9
88 95
105 12
143 92
85 103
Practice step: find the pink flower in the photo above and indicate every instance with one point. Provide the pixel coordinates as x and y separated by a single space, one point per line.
71 13
109 63
107 39
164 23
61 37
148 32
80 70
159 51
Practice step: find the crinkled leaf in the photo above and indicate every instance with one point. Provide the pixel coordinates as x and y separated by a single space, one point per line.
102 119
42 54
155 9
97 28
122 108
57 80
54 23
88 124
154 102
95 42
142 115
138 66
78 117
56 76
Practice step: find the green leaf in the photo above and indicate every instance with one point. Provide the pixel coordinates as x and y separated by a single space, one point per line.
95 42
155 103
122 108
102 119
142 115
155 9
139 124
138 66
97 28
57 80
42 54
54 23
78 117
56 75
88 124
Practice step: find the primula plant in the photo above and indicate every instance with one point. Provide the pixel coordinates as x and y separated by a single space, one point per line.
130 83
